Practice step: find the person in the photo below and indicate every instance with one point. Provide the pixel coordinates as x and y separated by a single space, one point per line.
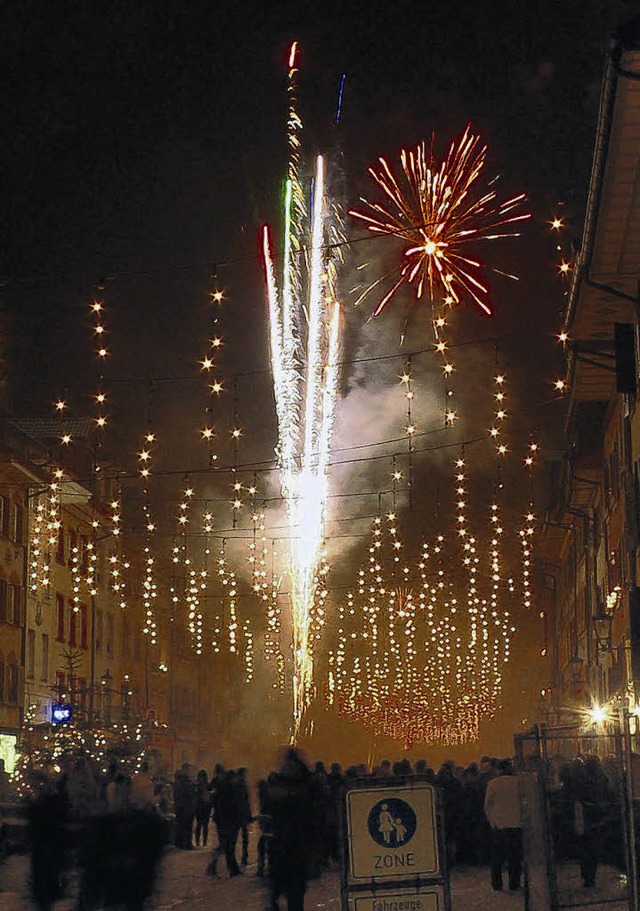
335 780
264 824
453 801
121 849
502 809
421 767
227 819
486 773
6 790
384 769
245 816
81 789
472 815
142 792
592 805
203 807
321 799
47 820
292 806
184 803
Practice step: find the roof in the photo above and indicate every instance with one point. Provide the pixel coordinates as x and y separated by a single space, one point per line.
604 288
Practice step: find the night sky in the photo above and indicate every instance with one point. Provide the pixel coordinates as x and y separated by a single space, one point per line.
142 146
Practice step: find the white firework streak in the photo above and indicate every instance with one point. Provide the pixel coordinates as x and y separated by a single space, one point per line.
305 377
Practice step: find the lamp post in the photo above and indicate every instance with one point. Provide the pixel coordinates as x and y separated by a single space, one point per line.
602 622
576 662
105 682
92 662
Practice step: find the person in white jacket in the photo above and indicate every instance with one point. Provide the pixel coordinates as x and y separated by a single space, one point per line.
502 809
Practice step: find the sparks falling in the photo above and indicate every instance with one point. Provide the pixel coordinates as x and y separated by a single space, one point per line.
304 323
438 208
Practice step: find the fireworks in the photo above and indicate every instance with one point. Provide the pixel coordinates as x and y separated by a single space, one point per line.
437 208
304 319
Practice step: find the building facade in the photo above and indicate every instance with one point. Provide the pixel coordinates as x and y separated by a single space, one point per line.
19 458
75 606
590 541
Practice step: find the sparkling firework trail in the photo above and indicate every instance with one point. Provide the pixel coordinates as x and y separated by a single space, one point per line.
437 209
304 322
340 96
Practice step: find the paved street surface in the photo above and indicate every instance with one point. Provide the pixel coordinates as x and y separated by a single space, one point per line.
183 886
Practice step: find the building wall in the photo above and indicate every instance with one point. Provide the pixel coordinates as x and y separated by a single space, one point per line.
12 599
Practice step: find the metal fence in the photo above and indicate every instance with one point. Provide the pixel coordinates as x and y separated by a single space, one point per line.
578 787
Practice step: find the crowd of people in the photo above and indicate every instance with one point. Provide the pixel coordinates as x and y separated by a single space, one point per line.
116 821
107 826
586 806
298 811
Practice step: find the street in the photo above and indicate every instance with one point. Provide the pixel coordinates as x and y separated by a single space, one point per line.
183 886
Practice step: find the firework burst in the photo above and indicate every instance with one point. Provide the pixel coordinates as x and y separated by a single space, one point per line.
437 208
304 321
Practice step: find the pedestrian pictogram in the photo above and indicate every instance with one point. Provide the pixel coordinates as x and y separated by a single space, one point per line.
392 822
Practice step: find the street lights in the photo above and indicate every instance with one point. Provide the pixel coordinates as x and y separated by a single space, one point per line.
576 662
105 683
602 622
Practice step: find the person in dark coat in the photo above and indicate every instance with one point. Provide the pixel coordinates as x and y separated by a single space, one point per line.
453 799
121 849
265 824
203 807
218 775
226 810
322 812
244 813
184 804
592 805
291 799
48 818
335 780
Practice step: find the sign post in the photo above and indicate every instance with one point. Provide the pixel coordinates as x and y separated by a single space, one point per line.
394 856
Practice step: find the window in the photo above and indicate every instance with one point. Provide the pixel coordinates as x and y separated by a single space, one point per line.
18 525
83 626
44 670
12 684
10 610
5 515
84 554
72 551
3 600
60 544
73 623
61 690
18 602
60 616
1 678
99 630
110 633
13 610
81 694
31 653
126 639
